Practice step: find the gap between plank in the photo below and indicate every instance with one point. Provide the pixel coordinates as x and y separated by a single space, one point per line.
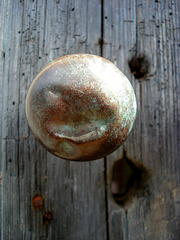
106 197
105 159
102 28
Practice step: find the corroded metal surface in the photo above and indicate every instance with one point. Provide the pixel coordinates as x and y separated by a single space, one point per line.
81 107
38 202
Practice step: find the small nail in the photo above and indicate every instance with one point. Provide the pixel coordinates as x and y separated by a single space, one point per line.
38 201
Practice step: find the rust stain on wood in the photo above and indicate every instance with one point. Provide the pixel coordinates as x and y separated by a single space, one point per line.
38 201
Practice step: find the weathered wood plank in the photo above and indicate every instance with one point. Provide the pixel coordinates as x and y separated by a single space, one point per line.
33 34
2 14
150 28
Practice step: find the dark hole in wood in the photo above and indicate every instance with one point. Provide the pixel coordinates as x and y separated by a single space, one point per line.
13 103
129 179
48 217
139 66
100 41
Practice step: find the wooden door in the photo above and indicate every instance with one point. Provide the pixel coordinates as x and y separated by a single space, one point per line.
44 197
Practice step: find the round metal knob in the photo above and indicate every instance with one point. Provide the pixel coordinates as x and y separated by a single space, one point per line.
81 107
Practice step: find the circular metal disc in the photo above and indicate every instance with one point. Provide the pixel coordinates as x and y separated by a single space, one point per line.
81 107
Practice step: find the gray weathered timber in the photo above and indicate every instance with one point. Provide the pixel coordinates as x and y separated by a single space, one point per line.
150 28
33 33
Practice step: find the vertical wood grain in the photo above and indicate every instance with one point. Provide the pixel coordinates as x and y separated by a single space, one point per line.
33 33
149 28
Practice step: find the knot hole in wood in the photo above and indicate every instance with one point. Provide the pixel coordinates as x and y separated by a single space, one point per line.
129 180
139 66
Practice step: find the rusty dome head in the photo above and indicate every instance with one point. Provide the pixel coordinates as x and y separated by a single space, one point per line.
81 107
